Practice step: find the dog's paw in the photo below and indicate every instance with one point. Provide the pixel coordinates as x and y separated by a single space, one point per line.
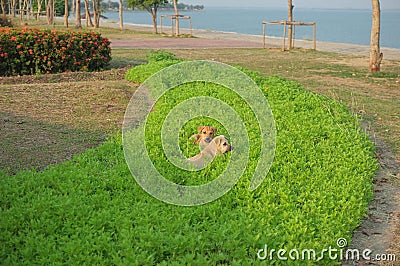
195 138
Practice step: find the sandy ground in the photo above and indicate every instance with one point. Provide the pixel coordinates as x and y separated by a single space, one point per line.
217 39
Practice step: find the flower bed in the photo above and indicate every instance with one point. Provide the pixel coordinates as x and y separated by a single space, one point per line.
33 51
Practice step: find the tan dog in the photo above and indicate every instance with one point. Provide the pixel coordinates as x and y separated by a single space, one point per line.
219 144
205 135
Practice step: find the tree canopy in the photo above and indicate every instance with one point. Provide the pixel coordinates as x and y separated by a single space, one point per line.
150 6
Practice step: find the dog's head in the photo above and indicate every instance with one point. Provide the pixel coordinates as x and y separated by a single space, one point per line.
207 133
222 143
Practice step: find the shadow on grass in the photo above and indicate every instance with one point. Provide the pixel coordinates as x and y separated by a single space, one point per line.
28 144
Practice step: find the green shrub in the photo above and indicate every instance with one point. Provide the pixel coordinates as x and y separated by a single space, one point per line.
160 55
158 59
33 51
91 211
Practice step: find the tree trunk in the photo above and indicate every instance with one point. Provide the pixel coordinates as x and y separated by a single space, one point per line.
73 9
13 5
154 17
25 8
375 55
50 12
153 11
290 18
66 13
39 9
20 10
176 18
30 8
96 13
88 17
3 8
78 23
121 22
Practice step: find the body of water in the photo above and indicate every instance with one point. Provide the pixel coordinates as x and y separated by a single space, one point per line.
333 25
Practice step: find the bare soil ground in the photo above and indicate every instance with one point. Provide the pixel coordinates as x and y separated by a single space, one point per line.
47 119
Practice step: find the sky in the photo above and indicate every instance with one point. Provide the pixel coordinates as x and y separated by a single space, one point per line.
358 4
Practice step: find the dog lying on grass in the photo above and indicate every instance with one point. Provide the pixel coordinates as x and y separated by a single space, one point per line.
219 144
205 135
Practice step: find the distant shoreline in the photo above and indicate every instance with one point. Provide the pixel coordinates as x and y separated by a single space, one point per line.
333 25
336 47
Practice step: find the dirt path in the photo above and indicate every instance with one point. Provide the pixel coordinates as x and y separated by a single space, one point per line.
217 39
379 230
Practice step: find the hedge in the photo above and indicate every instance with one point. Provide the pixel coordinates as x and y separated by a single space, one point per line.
33 51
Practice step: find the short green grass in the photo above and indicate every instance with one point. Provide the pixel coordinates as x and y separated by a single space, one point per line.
91 211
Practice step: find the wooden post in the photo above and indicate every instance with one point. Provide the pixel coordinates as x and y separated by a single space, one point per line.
315 36
284 35
161 24
264 33
172 26
191 30
294 35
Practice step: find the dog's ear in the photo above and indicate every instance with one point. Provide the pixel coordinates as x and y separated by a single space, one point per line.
218 141
200 128
214 129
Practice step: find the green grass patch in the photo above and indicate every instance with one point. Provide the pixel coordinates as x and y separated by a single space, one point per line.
91 211
387 75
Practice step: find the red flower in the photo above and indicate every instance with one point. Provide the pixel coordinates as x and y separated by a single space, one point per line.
19 46
30 51
13 38
49 63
